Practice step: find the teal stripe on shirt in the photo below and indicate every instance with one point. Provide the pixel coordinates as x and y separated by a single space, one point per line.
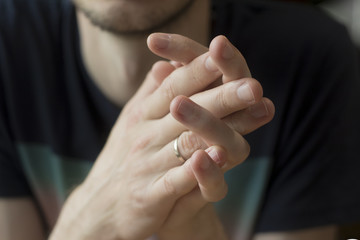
240 208
52 177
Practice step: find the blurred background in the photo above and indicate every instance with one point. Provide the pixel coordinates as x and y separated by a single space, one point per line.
345 11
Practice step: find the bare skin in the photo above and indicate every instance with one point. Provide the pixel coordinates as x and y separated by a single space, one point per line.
119 63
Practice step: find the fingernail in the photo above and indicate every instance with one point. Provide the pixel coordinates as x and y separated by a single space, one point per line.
259 110
186 110
245 93
213 154
228 52
210 65
162 41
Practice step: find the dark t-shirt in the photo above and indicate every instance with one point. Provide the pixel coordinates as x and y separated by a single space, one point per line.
302 171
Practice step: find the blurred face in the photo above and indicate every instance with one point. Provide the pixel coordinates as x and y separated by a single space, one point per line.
132 16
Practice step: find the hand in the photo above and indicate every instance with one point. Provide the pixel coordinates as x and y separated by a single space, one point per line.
184 222
137 181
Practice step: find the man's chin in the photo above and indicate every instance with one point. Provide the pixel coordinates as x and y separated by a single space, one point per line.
122 29
120 22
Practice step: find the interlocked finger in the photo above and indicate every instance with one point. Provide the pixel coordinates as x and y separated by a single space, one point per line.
199 72
222 101
228 59
179 150
212 130
209 175
187 80
252 118
230 97
199 170
175 47
187 143
237 124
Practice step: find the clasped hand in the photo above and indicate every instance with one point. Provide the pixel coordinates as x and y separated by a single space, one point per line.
138 187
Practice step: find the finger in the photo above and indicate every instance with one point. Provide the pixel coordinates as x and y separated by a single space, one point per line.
228 59
211 129
176 64
187 143
252 118
186 80
243 122
211 188
176 182
221 101
209 175
159 71
181 180
175 47
230 97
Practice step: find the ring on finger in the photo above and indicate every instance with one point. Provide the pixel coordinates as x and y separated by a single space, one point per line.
176 150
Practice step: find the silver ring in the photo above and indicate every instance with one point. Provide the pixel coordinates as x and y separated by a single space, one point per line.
176 150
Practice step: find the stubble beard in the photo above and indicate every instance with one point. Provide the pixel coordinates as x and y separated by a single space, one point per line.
120 22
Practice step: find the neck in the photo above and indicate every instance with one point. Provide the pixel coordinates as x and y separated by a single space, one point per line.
118 63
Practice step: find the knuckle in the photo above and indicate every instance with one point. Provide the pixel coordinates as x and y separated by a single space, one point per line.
221 99
240 153
138 198
169 187
219 193
168 89
256 88
189 143
195 74
234 122
141 143
134 115
223 192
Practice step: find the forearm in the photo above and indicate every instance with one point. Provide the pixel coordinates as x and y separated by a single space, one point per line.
20 219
